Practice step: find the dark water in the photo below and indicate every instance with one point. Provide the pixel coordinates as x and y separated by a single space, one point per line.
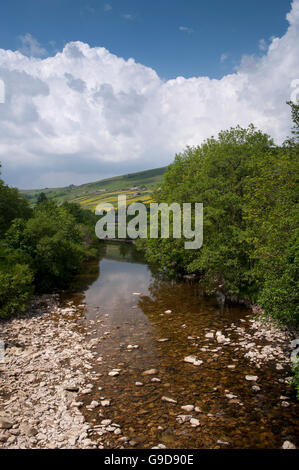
252 420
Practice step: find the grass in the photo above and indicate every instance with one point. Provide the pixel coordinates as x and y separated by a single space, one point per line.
105 191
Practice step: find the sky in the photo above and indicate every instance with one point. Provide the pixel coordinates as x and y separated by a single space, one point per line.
100 88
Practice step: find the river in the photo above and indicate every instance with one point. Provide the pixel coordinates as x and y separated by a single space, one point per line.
124 302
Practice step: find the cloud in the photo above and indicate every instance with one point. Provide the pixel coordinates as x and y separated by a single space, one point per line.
262 45
107 7
186 29
223 57
85 113
128 16
31 46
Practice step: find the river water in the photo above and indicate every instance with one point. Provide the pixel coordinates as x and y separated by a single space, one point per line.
113 315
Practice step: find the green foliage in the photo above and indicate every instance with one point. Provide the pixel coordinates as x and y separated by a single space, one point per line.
41 249
54 241
16 283
12 205
41 198
249 191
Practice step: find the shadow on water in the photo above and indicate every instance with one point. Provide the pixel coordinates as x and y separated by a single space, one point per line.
118 318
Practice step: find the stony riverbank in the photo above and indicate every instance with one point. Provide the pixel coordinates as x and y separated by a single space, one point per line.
47 363
49 374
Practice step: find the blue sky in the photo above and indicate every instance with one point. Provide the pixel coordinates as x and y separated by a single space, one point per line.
100 88
174 37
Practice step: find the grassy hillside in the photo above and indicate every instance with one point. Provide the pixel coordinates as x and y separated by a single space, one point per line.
137 187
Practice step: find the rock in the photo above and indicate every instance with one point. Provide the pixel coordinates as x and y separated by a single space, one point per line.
187 408
3 437
162 340
194 422
94 404
105 402
230 395
255 388
168 311
231 366
113 373
28 430
251 378
136 293
150 372
169 400
132 346
193 360
5 423
288 445
221 339
225 443
159 446
279 367
138 384
181 419
285 404
117 431
132 443
155 379
106 422
209 335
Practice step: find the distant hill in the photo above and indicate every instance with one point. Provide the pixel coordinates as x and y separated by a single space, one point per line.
138 187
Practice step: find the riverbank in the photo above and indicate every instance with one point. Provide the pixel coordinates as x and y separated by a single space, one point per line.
47 363
49 375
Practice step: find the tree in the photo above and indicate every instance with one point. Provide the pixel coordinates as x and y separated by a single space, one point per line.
41 198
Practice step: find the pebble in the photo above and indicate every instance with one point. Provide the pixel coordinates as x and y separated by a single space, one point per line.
150 372
168 400
251 378
105 402
113 373
288 445
209 335
194 422
225 443
187 408
193 360
5 423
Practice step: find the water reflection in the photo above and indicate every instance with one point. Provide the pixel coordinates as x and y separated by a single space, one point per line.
118 318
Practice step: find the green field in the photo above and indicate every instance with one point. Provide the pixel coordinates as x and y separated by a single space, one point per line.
137 186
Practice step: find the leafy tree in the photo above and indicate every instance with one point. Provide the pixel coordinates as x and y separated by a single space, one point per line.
41 198
12 205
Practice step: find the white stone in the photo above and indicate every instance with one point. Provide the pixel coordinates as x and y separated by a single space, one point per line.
169 400
187 408
193 360
113 373
105 402
209 335
194 422
288 445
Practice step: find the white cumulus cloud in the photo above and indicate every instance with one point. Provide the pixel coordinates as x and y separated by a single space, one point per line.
85 113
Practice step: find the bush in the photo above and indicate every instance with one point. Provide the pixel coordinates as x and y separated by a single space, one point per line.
16 287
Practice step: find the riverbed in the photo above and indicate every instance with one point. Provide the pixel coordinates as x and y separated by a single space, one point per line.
145 323
126 358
